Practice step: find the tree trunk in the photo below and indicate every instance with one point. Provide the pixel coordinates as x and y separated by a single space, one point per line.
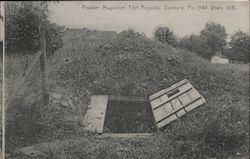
45 94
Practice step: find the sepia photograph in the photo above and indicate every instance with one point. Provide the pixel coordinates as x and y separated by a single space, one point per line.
125 79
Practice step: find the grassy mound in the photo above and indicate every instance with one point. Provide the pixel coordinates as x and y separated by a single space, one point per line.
130 64
133 65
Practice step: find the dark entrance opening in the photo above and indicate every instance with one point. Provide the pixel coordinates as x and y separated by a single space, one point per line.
129 115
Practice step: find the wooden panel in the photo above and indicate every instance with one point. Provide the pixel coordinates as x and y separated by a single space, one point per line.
155 103
164 99
185 87
159 101
169 105
162 112
181 112
160 93
185 98
176 104
95 115
194 94
166 121
168 108
195 104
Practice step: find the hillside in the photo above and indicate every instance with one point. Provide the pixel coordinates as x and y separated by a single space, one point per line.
130 64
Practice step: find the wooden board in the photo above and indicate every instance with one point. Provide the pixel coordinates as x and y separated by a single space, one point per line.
165 98
175 101
95 114
158 94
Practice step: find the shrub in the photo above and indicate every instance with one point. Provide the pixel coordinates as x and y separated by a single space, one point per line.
165 35
239 43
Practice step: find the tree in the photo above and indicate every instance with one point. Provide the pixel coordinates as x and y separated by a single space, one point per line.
213 35
210 41
165 35
22 26
189 42
196 44
239 47
22 33
203 49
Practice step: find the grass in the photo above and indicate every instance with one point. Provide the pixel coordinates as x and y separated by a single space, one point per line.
130 64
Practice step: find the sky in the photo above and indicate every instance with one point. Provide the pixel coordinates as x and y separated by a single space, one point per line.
192 19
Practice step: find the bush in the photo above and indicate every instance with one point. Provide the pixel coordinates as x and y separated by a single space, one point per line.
240 45
164 35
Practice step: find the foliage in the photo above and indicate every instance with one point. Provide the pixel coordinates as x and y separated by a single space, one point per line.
23 25
194 43
189 42
165 35
239 47
54 37
22 32
214 35
211 40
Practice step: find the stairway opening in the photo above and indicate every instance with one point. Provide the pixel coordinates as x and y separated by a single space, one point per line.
129 115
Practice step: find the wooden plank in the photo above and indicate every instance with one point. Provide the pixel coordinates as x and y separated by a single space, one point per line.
176 110
159 114
157 95
94 122
160 93
165 111
181 113
182 90
158 101
95 115
185 98
195 104
176 104
166 121
194 94
162 112
167 108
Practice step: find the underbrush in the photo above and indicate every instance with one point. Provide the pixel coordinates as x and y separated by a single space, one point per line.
28 124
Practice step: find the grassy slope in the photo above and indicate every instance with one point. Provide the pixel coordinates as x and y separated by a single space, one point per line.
130 64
